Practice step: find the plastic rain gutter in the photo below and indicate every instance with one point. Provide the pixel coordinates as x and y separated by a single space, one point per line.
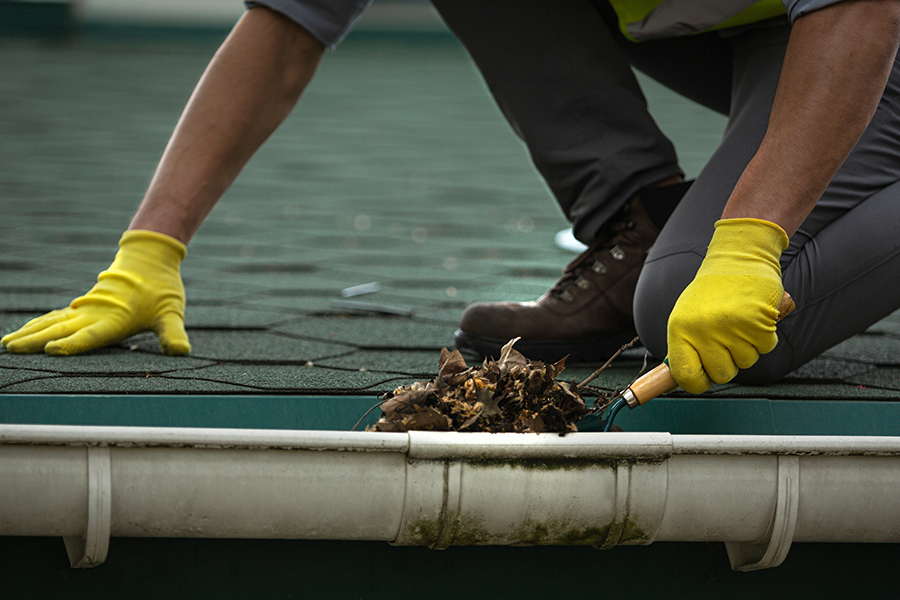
758 494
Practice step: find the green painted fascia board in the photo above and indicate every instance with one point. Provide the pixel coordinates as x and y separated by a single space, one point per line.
238 569
336 413
340 413
760 416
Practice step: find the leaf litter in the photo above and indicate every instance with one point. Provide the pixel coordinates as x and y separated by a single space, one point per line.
509 395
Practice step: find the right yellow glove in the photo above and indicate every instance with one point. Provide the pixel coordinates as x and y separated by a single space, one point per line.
141 291
726 317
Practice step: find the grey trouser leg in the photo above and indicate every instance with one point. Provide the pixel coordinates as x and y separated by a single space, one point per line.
561 78
843 265
560 75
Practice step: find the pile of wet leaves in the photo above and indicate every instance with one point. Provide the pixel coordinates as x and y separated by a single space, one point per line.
511 394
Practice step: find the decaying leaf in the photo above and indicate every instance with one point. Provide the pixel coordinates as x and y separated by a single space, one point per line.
452 367
512 394
559 366
510 358
407 402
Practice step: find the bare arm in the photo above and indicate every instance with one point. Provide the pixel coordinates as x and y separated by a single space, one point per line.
248 89
835 70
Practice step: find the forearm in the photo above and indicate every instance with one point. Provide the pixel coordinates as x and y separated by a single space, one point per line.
835 70
248 89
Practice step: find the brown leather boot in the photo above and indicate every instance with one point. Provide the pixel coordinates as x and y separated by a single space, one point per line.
587 315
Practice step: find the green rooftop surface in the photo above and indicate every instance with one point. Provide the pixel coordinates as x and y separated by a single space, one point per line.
396 167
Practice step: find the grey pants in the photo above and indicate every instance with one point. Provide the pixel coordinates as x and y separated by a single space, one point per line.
561 74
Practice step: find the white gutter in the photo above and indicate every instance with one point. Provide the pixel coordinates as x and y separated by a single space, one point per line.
756 493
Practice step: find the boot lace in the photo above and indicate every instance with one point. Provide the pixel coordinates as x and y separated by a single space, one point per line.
617 232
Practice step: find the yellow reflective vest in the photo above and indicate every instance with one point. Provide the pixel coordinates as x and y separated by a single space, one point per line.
650 19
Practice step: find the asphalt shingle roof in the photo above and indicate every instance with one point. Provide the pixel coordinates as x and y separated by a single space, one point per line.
396 167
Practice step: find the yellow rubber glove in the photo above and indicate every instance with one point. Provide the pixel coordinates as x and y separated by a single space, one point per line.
141 291
726 317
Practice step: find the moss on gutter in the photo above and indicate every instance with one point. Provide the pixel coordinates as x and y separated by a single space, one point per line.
469 531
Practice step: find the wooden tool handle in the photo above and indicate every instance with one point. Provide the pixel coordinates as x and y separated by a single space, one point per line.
659 380
786 307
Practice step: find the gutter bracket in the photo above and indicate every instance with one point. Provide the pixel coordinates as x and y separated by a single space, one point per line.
746 556
623 487
450 508
90 549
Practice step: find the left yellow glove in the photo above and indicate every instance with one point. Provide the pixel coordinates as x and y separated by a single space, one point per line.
726 317
141 291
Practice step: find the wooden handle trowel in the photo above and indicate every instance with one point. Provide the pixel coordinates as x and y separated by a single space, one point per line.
659 380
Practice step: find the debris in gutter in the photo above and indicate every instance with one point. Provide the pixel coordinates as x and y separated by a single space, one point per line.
511 394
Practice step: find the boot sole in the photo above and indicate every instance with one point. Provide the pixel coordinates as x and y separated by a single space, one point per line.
475 348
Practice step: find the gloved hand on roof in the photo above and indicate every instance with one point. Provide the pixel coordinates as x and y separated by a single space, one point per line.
141 291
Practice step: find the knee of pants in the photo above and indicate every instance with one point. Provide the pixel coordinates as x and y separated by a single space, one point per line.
770 367
661 282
